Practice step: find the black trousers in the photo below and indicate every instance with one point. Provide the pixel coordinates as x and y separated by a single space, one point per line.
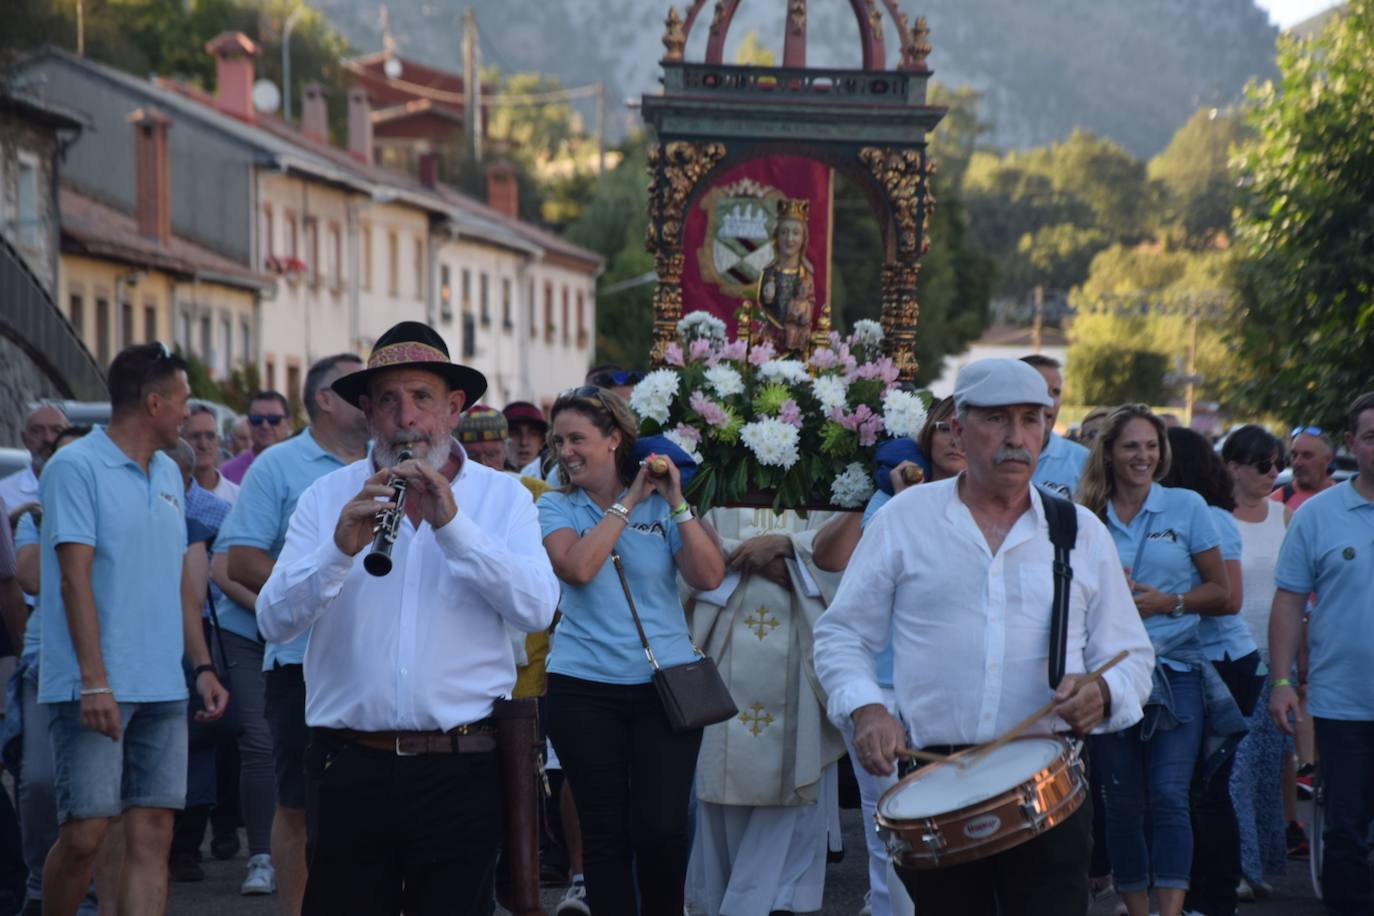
1216 836
631 779
388 834
1046 876
1345 760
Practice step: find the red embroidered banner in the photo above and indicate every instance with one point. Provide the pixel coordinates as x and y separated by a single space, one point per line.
727 240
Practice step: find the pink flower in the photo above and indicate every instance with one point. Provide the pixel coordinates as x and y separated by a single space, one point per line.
862 414
834 340
735 350
790 413
888 371
869 428
687 433
710 411
824 358
700 349
867 370
672 355
761 353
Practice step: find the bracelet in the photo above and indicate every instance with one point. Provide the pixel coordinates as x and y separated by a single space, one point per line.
201 669
97 691
684 518
1282 682
619 512
682 509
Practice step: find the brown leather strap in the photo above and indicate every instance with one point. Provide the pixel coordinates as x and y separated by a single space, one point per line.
625 584
471 740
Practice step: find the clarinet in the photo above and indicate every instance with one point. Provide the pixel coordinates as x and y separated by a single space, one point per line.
378 560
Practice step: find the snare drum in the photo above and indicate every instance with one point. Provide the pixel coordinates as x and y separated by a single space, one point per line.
951 813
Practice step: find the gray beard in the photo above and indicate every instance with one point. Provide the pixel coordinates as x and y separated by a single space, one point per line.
387 454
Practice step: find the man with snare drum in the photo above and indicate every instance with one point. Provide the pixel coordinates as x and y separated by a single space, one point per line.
961 570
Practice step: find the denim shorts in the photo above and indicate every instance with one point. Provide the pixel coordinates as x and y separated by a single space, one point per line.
96 777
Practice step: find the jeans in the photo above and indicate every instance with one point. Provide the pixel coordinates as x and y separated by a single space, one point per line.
1145 788
1345 751
631 778
1216 855
96 777
257 785
389 834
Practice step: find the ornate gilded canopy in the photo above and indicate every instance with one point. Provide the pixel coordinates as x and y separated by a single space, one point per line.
870 124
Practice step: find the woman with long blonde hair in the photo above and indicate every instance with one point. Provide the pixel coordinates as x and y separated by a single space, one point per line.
1169 549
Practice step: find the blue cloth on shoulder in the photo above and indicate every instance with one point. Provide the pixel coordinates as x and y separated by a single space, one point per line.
892 453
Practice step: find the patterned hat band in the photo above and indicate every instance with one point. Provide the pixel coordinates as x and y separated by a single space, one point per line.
405 352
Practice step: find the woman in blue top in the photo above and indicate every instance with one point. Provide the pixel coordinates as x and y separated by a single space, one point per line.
1168 545
630 774
1229 647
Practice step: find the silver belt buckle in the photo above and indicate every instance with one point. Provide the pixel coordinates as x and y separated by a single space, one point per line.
401 753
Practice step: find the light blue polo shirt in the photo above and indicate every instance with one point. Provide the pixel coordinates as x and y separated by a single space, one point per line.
1226 637
94 494
25 535
1329 551
596 638
1158 545
882 662
1061 464
260 517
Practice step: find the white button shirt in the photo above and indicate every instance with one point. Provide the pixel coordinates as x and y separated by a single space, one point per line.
425 646
970 628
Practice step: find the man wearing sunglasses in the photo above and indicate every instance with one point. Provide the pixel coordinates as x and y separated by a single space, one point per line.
269 422
613 378
1310 453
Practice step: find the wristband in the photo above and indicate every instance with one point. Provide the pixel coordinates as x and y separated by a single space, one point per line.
1281 682
682 509
201 669
97 691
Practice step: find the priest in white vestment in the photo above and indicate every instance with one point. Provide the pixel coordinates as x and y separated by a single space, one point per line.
766 779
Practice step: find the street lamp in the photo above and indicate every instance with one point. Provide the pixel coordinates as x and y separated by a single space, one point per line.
292 18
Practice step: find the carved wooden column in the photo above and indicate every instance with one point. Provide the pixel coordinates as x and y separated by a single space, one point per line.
901 175
675 169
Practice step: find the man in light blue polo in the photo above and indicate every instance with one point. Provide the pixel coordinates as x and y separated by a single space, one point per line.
1061 461
272 700
114 633
1329 552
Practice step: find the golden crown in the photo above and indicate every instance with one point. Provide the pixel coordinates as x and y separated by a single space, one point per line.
793 208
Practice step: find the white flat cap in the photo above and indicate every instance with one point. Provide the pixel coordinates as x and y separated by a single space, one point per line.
1000 383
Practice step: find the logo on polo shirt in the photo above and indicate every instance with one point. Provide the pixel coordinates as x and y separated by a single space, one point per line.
171 500
1168 534
654 528
1348 553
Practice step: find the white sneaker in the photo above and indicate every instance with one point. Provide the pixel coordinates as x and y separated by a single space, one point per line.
261 878
574 901
868 904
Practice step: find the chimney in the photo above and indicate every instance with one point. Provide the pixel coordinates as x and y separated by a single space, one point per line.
314 113
234 53
429 169
152 175
502 192
360 126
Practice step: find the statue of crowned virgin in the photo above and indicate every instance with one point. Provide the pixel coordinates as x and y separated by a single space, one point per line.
784 306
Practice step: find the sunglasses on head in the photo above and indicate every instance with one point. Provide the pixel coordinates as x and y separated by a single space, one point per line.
586 391
257 419
1305 431
617 379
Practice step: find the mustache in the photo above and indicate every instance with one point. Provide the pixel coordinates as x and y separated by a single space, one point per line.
1005 454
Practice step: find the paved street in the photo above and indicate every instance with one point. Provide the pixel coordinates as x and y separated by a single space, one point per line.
844 889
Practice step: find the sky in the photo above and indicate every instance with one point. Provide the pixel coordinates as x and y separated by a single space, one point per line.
1288 12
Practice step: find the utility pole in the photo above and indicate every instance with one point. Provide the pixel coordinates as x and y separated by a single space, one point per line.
600 130
472 91
1038 316
80 28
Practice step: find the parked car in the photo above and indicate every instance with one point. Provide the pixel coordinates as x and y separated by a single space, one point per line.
87 413
12 459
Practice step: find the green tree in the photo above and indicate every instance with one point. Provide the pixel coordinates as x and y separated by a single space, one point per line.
1114 373
1197 186
1306 226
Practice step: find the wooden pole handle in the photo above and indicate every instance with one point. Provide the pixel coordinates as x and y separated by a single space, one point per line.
658 465
912 474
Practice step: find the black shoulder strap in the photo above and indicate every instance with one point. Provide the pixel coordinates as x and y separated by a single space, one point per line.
1063 522
1288 491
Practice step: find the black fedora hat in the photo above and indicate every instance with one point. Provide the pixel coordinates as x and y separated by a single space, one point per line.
412 345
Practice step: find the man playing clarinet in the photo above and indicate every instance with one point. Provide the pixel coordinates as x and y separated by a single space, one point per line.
960 572
403 782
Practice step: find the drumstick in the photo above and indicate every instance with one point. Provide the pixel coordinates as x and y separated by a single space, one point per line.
1045 710
910 753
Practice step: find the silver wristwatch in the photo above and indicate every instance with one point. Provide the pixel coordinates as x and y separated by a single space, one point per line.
1178 607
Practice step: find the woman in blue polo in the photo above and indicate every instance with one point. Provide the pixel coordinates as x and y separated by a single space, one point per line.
630 774
1169 549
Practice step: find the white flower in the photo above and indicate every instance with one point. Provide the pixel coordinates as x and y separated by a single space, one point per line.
725 380
852 487
654 395
787 371
688 443
701 324
868 333
772 441
831 391
904 414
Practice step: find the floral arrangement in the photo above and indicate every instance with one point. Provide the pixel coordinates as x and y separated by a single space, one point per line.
808 429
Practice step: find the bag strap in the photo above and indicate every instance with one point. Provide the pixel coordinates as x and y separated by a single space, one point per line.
1063 522
629 599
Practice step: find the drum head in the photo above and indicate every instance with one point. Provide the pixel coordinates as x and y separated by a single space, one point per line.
950 787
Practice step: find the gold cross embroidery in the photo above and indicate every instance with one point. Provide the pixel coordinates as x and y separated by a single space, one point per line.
755 719
763 625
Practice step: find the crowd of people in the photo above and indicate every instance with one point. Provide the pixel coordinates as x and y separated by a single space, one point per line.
202 651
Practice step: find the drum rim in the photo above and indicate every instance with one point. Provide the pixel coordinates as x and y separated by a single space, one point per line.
1063 758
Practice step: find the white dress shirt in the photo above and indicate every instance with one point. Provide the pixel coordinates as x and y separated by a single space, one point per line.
425 646
970 628
19 488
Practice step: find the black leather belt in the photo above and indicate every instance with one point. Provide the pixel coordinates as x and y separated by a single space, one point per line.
473 738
